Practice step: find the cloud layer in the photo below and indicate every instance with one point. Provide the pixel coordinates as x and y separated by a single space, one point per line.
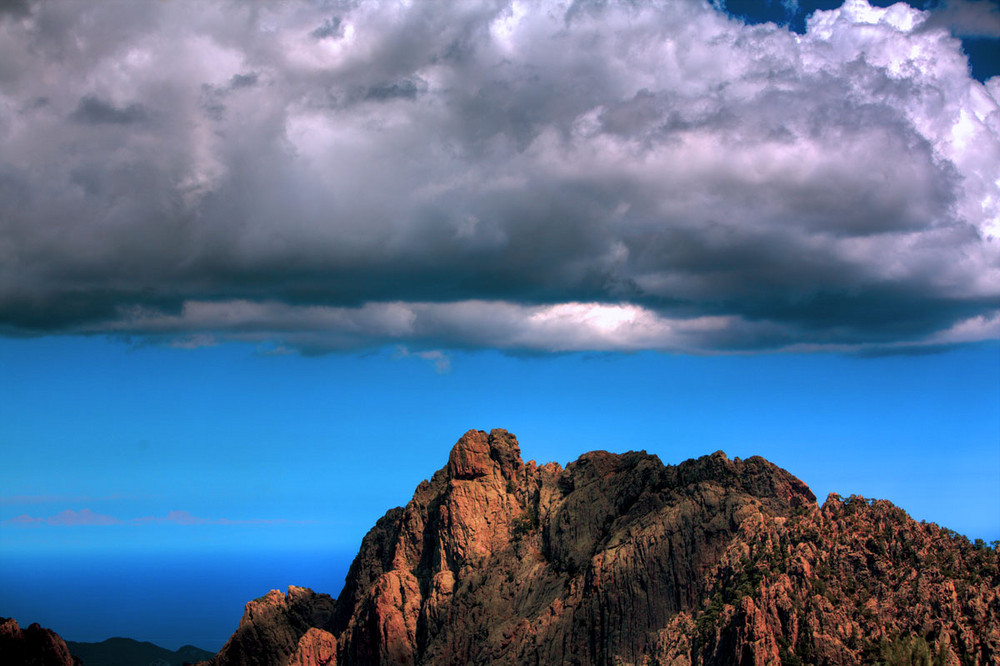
541 176
71 518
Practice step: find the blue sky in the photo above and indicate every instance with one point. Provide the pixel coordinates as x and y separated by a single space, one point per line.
260 267
265 470
225 447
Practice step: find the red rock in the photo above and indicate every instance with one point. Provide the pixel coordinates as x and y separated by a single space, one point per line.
272 626
620 559
33 646
315 648
470 457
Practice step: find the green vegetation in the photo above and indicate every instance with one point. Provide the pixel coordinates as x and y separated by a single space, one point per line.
910 651
526 523
708 619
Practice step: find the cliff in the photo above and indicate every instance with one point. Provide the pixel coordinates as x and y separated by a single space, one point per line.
619 559
34 646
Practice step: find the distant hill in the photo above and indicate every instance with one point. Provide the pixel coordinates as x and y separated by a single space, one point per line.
128 652
620 559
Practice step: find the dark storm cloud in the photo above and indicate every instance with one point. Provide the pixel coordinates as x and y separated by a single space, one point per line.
524 176
331 28
404 89
968 18
243 80
15 7
98 112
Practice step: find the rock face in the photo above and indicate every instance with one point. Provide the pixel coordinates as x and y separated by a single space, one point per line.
33 646
273 627
618 559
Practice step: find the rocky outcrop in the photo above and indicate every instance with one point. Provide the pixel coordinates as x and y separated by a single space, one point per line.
619 559
498 561
857 582
273 627
315 648
34 646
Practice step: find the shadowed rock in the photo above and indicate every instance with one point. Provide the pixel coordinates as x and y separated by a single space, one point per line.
273 626
34 646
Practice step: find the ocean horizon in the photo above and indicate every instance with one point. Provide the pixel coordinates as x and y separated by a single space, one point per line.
170 599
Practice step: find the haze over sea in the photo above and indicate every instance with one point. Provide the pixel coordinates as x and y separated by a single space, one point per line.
170 599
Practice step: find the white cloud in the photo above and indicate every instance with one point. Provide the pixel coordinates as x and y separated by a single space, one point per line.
523 175
563 327
441 361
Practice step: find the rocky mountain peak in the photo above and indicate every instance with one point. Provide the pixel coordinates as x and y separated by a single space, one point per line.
272 626
478 454
619 558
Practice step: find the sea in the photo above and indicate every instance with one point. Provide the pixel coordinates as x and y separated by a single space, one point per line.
170 599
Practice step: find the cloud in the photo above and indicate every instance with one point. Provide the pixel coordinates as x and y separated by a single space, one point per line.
97 112
176 517
70 518
441 361
968 18
185 518
516 175
180 517
14 7
13 500
331 28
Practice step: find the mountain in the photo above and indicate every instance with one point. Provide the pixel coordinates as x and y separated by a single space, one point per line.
34 646
620 559
128 652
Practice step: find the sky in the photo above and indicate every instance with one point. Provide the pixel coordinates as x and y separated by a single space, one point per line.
261 265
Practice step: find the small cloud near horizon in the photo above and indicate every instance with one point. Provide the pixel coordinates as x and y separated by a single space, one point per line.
177 517
15 500
441 361
65 518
